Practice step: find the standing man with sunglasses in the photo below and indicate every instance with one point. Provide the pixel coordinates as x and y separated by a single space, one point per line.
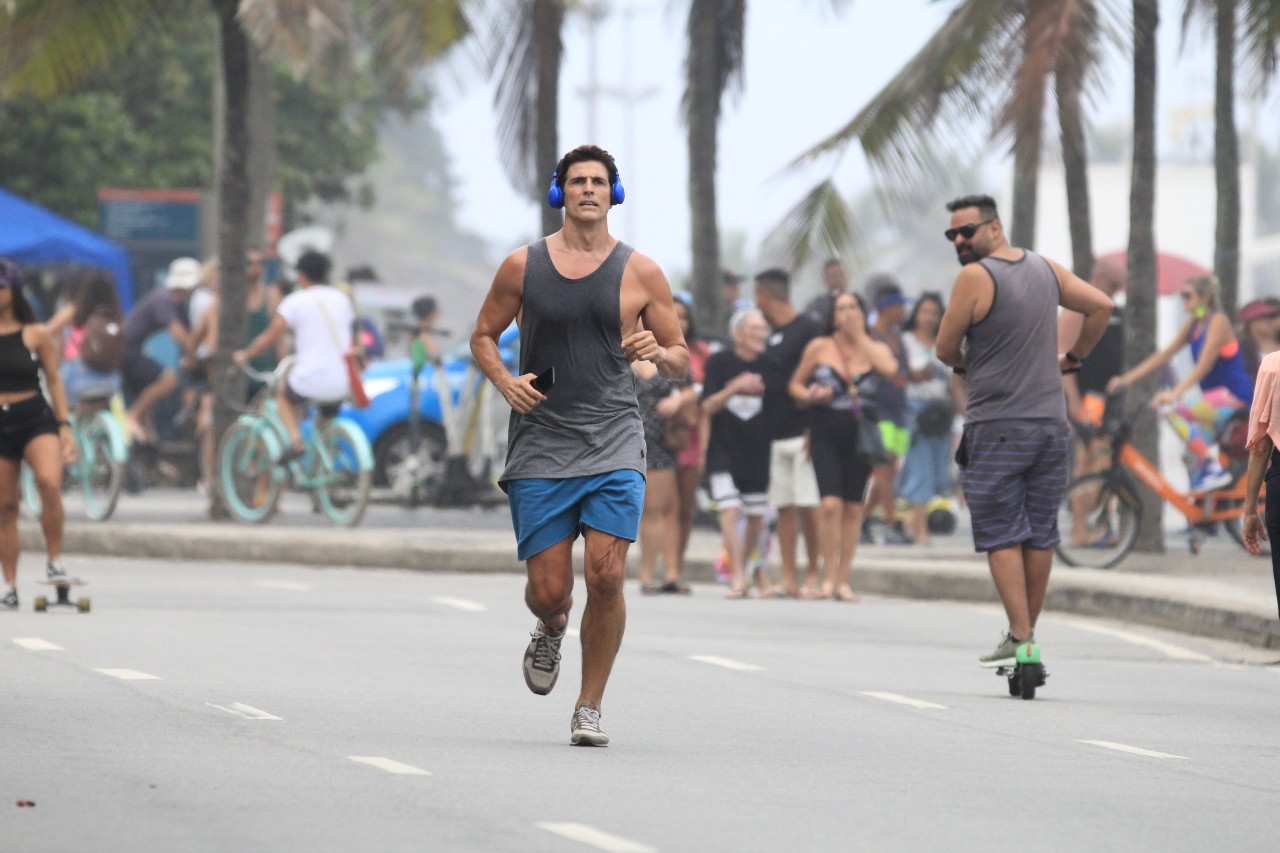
1000 332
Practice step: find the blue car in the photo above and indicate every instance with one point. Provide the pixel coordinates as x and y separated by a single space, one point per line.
385 421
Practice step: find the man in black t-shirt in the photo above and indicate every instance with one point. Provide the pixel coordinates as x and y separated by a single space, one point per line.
793 488
736 436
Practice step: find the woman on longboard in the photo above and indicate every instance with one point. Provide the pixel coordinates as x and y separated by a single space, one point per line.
29 429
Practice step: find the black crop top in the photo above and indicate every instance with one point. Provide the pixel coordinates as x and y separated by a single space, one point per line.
19 367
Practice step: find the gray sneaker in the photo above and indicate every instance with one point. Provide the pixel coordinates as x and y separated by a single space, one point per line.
542 659
1005 654
10 600
54 570
585 727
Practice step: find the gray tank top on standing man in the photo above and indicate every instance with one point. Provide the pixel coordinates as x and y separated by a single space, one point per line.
590 422
1011 363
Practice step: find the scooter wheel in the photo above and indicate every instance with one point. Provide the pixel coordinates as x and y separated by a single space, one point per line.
1030 677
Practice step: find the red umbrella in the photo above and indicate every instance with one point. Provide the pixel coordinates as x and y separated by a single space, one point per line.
1172 271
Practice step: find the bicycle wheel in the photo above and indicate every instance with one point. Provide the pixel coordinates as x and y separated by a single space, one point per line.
247 473
101 473
1098 521
343 473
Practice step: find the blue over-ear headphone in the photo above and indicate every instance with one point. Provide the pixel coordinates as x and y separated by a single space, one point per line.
555 193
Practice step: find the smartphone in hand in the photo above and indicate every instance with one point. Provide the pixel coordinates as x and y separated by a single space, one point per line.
545 381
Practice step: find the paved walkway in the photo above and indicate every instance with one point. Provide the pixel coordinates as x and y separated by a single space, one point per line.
1222 593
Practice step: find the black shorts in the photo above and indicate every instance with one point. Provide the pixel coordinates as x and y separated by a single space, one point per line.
833 446
138 371
328 410
22 421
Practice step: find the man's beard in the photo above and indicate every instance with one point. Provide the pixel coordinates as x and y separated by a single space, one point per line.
966 255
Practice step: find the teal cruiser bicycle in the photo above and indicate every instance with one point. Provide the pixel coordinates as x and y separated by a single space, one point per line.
336 465
101 453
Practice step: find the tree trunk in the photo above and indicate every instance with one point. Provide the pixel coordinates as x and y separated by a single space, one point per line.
1075 169
1027 141
703 119
548 23
263 144
1140 308
1226 159
233 213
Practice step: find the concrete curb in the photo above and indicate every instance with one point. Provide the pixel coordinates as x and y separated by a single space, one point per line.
1193 607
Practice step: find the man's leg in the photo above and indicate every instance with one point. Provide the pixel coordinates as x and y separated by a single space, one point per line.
549 590
812 543
137 414
1010 575
286 409
605 616
1036 564
788 531
782 495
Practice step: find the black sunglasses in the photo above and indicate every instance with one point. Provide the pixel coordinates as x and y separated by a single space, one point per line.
965 231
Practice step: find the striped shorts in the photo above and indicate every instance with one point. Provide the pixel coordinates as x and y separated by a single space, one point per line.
1014 476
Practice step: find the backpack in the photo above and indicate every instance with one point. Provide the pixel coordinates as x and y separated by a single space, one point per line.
103 346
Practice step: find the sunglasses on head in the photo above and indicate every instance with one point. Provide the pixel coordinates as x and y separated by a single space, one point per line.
965 231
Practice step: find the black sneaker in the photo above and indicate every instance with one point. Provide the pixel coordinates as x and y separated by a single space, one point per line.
10 600
542 659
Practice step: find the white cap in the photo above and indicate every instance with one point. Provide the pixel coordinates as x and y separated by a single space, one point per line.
184 274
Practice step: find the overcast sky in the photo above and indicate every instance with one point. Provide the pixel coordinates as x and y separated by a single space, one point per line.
808 70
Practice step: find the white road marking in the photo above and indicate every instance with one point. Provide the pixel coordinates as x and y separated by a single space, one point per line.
460 603
247 711
296 586
1133 750
129 675
1176 652
390 766
904 700
727 663
595 838
35 644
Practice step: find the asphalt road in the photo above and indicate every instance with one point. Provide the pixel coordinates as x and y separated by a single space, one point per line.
234 707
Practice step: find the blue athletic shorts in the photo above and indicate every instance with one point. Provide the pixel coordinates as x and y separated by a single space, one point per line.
544 512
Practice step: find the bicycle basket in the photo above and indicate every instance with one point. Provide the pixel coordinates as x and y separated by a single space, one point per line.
1234 434
1113 424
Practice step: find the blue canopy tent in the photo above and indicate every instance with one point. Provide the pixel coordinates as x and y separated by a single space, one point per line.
30 234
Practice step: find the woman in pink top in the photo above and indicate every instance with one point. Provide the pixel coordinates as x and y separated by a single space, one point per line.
689 474
97 292
1264 462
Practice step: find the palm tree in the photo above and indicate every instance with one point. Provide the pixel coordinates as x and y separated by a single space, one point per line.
526 53
1140 292
713 67
963 75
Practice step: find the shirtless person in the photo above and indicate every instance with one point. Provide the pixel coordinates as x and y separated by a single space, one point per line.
575 461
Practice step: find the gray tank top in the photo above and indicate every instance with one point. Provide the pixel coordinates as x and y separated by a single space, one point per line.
1012 358
590 422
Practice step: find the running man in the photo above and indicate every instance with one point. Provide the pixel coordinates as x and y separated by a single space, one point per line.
1013 453
576 451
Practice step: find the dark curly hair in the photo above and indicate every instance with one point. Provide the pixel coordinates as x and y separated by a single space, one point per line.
585 154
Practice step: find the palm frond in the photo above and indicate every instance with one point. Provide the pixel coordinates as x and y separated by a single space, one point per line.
404 34
820 225
515 33
304 33
49 46
1259 36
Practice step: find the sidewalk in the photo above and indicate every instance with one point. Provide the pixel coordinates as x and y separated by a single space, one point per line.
1222 593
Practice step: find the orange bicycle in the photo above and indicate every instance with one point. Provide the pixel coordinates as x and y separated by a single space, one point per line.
1100 515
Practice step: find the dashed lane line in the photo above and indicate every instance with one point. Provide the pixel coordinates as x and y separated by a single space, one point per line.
460 603
390 766
129 675
899 699
295 586
596 838
727 663
35 644
248 712
1132 750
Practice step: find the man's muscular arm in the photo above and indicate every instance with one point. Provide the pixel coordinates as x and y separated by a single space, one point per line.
501 306
959 314
661 340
